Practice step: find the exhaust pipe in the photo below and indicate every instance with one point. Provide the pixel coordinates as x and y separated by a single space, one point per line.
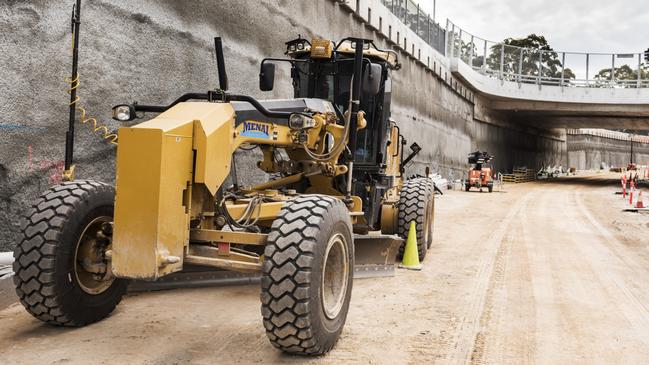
220 64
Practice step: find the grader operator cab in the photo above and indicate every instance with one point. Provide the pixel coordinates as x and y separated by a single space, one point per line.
339 192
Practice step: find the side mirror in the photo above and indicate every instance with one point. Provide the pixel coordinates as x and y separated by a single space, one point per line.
267 76
372 79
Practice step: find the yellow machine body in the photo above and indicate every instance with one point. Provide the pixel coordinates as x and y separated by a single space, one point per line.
168 209
164 162
155 163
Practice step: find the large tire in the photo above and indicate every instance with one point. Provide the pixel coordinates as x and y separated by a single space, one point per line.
417 203
50 278
309 249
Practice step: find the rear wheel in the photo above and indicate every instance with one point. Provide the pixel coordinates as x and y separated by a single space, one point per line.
417 203
307 275
491 187
62 274
467 187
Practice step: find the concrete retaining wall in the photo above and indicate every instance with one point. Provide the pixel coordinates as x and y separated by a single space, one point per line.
154 51
587 152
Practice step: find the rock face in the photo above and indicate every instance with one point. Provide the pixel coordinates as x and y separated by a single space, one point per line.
154 51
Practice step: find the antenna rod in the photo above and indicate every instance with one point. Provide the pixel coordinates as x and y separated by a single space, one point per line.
220 63
69 135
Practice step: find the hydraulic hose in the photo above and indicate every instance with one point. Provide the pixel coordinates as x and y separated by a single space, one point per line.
341 146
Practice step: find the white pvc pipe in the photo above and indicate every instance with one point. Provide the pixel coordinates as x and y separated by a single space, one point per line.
6 258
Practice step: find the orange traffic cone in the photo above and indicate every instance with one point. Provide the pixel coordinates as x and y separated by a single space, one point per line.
640 203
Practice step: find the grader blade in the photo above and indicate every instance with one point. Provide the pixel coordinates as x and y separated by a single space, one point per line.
375 255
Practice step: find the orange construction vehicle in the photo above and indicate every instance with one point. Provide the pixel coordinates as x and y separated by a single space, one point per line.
479 176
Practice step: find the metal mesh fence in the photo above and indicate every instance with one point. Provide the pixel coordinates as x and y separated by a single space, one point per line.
409 12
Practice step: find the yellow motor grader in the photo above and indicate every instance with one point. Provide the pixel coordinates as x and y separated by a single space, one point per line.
338 188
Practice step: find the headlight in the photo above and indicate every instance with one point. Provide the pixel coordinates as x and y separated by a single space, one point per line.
366 45
300 121
123 113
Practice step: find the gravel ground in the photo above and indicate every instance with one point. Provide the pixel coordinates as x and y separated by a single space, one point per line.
548 272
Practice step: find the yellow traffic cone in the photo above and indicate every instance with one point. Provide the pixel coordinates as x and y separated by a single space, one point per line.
411 254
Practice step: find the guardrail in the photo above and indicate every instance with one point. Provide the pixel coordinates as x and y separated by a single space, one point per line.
418 21
544 66
605 133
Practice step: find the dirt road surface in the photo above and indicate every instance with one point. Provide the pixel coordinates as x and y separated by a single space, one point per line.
547 273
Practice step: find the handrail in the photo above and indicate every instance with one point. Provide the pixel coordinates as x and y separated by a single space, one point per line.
546 67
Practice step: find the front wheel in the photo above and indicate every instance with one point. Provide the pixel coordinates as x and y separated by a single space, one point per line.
62 274
307 275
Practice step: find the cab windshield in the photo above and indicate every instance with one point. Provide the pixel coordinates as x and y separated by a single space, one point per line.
332 81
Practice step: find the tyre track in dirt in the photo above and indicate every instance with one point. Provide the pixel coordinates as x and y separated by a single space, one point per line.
634 297
559 289
557 279
589 308
508 331
469 341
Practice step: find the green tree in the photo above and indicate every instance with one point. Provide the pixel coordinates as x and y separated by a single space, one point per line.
535 51
463 51
622 73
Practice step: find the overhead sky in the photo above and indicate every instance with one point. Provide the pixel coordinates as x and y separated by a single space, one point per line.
620 26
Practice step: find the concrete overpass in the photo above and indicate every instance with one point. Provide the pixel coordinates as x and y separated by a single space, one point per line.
544 102
546 106
547 100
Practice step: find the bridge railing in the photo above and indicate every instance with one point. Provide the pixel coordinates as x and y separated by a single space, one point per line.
420 22
545 66
605 133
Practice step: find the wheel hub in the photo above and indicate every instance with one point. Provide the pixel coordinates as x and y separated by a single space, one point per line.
335 276
92 268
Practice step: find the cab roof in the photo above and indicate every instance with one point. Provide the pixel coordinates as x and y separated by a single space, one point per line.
300 46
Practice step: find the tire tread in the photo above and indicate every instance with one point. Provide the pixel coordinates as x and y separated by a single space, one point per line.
35 255
412 207
286 284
